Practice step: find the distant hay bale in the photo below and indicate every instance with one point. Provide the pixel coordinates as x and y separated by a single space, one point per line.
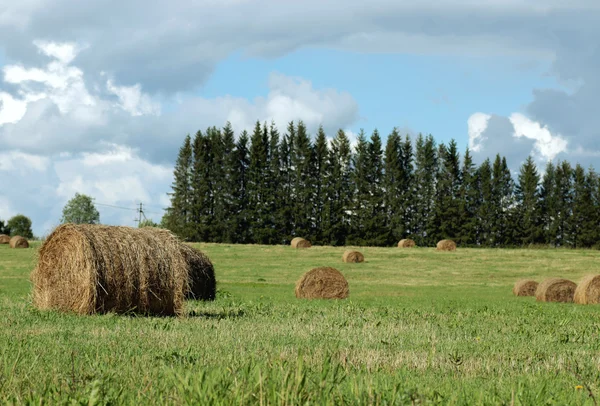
353 257
588 290
4 239
446 245
18 242
555 290
300 242
406 243
322 283
88 269
202 282
525 287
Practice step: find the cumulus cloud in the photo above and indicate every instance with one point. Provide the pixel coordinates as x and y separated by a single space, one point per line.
516 137
64 135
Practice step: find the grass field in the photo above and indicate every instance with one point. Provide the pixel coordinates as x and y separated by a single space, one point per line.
420 327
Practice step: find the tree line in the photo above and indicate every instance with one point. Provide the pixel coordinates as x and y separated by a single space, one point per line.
266 188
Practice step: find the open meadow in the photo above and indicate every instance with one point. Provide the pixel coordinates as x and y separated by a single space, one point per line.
419 327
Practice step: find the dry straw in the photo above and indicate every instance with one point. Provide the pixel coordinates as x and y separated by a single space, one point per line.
90 269
588 290
353 257
525 287
555 290
322 283
202 280
300 242
446 245
4 239
406 243
18 242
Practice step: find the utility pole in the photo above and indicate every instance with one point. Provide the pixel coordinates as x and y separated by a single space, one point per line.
140 211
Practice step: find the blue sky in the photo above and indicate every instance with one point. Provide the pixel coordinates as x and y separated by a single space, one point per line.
97 96
428 94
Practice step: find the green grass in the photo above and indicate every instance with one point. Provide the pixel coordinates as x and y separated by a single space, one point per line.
420 327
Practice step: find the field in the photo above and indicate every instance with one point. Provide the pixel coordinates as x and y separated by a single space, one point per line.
420 327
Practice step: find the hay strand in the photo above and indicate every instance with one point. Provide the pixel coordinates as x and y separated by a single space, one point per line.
555 290
525 287
90 269
18 242
353 257
4 239
588 290
406 243
322 283
446 245
300 242
202 282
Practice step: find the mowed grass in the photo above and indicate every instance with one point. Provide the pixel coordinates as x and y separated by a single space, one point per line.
420 327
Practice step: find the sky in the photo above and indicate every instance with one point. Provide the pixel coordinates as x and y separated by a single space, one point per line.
96 97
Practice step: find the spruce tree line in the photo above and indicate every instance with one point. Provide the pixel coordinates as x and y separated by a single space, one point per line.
267 188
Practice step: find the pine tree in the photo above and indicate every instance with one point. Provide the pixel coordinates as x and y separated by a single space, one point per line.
376 233
447 218
287 195
362 190
424 194
275 198
393 187
486 213
258 185
584 219
320 180
230 185
177 218
407 188
502 203
202 192
303 162
339 191
529 230
548 203
242 218
563 191
469 200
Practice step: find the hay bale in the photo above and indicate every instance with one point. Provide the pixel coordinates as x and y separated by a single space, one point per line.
202 281
446 245
588 290
406 243
88 269
322 283
353 257
525 287
555 290
4 239
300 242
18 242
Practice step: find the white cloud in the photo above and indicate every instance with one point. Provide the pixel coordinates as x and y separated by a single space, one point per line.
477 124
133 100
547 145
15 160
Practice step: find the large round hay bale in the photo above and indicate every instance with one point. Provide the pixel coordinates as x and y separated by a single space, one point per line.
300 242
406 243
446 245
322 283
4 239
18 242
588 290
88 269
525 287
555 290
353 257
202 281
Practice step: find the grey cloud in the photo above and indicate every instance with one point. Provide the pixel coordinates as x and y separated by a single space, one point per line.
174 46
